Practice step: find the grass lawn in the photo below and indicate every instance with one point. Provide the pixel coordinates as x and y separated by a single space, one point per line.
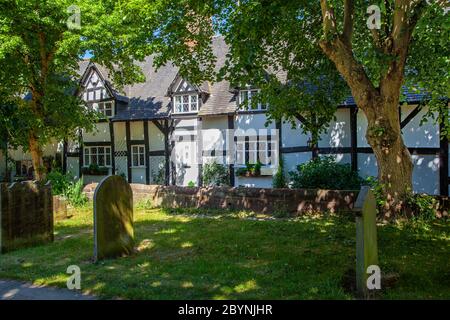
228 257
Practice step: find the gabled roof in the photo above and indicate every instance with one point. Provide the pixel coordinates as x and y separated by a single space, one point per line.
103 73
151 99
179 80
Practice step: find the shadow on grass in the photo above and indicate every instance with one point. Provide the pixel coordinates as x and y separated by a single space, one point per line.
190 258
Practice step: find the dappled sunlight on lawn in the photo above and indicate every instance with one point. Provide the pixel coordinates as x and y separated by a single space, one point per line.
182 257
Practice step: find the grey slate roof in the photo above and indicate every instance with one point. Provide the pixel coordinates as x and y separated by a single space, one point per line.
149 100
221 99
409 98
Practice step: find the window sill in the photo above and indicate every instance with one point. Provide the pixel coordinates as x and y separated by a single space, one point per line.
264 172
184 113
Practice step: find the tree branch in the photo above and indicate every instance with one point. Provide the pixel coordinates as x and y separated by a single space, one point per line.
418 12
349 9
329 20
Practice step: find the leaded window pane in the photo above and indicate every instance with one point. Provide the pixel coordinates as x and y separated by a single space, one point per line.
194 103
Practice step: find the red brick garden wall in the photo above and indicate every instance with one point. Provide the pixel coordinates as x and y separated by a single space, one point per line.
251 199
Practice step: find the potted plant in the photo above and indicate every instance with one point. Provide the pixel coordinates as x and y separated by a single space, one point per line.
95 170
250 170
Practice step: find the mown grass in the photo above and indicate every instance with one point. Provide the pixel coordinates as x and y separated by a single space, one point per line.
180 256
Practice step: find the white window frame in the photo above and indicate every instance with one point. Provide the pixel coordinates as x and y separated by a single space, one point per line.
253 151
88 156
179 103
246 95
138 150
103 110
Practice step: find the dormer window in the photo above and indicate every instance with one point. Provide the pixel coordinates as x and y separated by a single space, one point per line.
185 103
105 108
245 100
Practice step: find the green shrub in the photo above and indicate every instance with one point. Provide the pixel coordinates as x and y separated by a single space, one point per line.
158 177
191 184
279 180
325 173
75 195
421 206
60 182
215 174
146 204
377 189
64 185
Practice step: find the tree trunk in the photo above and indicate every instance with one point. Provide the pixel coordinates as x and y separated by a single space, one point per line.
383 132
36 156
393 158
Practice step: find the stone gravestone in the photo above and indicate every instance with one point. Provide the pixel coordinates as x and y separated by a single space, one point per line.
366 238
113 218
26 215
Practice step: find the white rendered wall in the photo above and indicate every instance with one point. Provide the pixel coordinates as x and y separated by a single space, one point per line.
293 137
137 130
338 132
416 135
73 167
156 138
184 152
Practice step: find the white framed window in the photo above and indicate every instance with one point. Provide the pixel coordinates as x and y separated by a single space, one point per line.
106 108
185 103
100 156
138 155
252 151
95 94
245 100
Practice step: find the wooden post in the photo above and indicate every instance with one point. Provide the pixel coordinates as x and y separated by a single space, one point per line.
113 147
366 238
200 151
354 137
129 163
147 152
230 137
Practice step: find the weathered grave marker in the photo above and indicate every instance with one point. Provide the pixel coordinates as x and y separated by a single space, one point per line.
26 215
366 238
113 218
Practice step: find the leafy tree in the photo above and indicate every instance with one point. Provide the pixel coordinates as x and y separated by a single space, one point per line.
39 64
325 44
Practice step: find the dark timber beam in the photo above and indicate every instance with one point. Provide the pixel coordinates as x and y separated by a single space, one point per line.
279 127
161 127
230 145
410 116
443 163
165 130
199 151
113 148
147 150
64 157
128 137
354 138
81 153
300 117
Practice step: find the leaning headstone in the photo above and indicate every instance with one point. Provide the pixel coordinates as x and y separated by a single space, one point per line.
113 218
366 238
